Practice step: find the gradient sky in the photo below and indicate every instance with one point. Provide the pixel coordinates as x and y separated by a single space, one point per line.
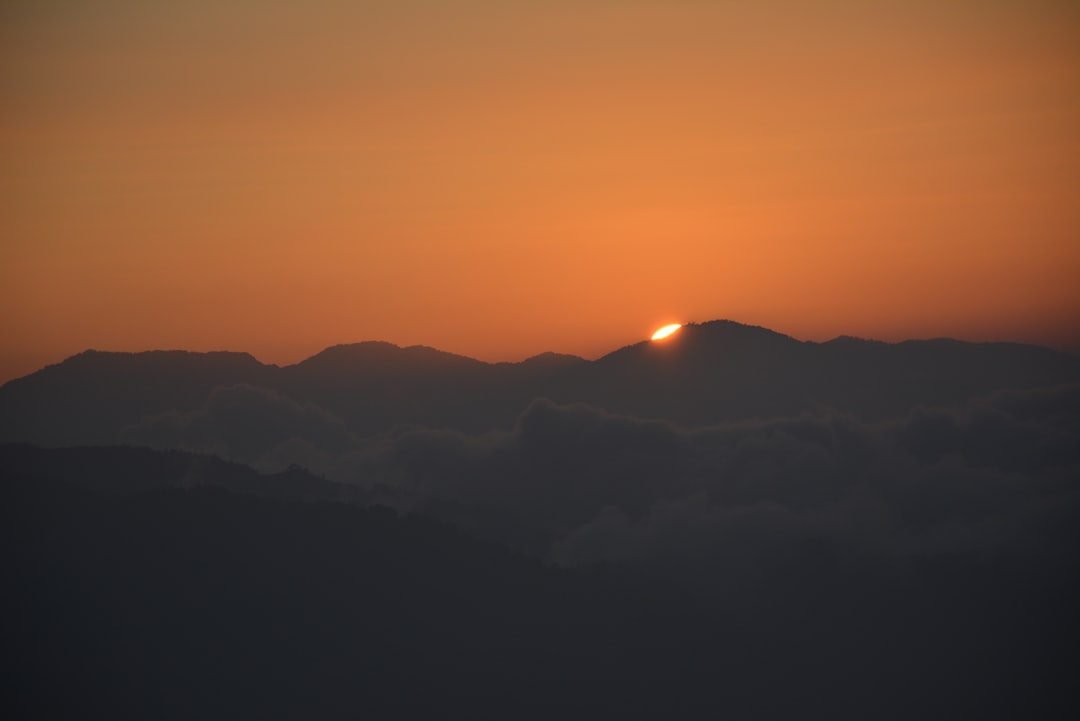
502 178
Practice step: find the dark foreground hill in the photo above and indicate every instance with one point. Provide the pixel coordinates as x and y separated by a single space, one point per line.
708 373
125 470
203 603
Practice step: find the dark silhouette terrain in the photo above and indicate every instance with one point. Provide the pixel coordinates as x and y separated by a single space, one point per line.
713 372
725 371
202 603
93 397
125 470
729 524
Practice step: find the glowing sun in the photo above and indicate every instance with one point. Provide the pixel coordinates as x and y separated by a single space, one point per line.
666 331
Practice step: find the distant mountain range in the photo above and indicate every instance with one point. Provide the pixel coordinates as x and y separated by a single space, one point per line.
706 373
727 523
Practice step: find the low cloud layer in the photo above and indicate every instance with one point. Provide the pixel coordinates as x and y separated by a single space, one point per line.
245 423
1002 474
578 485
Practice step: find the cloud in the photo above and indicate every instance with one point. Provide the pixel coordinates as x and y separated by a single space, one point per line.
599 486
247 423
577 484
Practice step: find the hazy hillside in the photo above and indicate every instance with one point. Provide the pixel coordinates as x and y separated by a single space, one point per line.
125 470
202 603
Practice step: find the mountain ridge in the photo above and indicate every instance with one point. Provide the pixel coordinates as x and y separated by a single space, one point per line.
338 349
707 373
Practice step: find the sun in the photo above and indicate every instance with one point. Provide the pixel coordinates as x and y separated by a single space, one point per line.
666 331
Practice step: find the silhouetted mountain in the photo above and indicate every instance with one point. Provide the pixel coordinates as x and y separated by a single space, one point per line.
93 396
125 470
378 358
374 387
725 371
126 599
549 361
707 373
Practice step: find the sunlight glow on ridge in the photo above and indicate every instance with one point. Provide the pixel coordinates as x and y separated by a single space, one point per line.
666 331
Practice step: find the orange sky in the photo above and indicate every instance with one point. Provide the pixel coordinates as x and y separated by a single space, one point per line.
503 178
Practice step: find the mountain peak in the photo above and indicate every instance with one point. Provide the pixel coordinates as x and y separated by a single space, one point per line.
734 329
92 360
379 354
550 359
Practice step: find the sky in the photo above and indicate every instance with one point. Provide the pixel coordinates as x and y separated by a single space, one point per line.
500 179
